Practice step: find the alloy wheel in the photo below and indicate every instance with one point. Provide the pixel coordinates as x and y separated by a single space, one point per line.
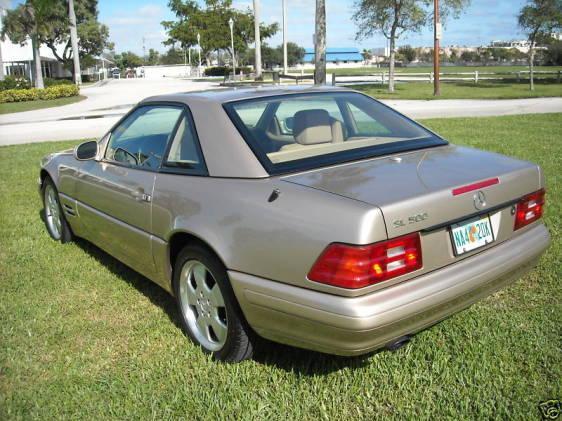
202 304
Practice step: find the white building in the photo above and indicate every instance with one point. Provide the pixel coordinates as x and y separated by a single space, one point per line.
17 61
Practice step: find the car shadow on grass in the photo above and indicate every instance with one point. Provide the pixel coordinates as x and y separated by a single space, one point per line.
268 353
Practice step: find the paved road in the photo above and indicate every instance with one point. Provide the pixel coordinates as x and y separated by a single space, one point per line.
107 103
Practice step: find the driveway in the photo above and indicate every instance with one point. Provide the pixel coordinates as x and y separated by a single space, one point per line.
106 103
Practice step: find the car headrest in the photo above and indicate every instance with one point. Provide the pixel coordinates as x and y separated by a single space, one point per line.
311 127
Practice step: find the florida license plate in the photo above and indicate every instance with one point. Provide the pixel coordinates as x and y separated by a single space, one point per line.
472 234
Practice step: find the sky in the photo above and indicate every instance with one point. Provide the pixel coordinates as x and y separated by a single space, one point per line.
130 21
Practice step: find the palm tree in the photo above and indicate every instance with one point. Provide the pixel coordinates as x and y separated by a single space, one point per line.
320 44
74 42
258 38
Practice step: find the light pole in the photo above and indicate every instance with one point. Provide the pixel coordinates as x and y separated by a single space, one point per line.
285 37
199 50
231 24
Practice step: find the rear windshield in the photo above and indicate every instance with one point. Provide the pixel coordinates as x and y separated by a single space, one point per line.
303 131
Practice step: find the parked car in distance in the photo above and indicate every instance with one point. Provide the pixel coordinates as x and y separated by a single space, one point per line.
315 217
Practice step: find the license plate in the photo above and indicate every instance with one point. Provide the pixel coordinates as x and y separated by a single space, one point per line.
472 234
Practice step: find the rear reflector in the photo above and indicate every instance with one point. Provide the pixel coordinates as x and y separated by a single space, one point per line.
529 209
352 267
475 186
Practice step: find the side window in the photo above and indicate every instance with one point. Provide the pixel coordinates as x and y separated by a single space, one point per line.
288 108
184 150
366 125
252 112
140 141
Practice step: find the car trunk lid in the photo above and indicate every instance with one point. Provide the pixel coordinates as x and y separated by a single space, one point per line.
414 190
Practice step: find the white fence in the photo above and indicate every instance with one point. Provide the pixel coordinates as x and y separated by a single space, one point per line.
475 77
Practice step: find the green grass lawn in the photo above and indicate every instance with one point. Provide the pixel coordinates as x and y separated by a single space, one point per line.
82 336
445 69
18 107
463 90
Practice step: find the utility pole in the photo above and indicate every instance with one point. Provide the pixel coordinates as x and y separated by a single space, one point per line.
437 30
1 61
320 44
285 70
258 38
74 42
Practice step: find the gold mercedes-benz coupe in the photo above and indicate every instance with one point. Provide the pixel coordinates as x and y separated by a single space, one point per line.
315 217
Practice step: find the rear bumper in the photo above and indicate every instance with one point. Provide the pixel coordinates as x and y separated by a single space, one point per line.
357 325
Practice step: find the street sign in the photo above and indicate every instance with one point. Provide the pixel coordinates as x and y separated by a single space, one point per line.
438 30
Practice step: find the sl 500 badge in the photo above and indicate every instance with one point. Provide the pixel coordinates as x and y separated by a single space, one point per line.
411 220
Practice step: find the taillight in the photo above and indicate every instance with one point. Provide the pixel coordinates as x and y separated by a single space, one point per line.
352 267
529 209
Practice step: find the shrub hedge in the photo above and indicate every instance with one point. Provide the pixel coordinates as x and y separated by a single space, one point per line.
224 71
33 94
11 82
48 82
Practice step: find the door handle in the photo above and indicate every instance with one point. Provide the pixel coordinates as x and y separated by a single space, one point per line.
140 196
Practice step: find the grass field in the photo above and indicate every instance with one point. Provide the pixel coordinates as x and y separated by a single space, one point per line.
83 337
18 107
463 90
445 69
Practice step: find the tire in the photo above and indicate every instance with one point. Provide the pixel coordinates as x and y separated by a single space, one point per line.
209 312
53 216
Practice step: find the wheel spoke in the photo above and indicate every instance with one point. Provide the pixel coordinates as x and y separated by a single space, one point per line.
219 328
215 296
199 274
203 327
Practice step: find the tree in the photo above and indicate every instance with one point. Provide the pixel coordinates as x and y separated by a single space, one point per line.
29 20
367 55
128 59
93 36
454 56
295 53
539 18
394 17
408 53
470 56
173 56
211 22
320 43
153 57
554 53
257 38
74 43
272 57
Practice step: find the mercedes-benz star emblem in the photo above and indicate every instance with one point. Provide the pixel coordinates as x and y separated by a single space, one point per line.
480 200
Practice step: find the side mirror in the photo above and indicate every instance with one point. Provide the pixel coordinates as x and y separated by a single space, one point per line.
87 150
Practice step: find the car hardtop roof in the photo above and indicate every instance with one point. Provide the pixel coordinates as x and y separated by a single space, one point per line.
225 95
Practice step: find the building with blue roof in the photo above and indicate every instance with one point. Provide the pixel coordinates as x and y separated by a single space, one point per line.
336 55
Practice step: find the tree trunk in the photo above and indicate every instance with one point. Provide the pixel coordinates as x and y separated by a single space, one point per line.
258 38
531 68
320 44
391 64
74 41
37 63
